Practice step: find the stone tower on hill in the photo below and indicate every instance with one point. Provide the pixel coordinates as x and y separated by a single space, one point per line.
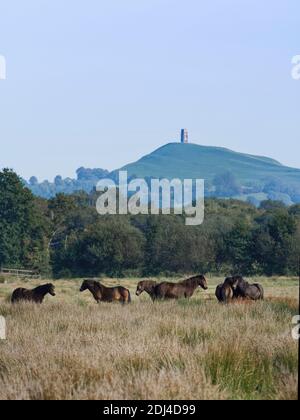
184 136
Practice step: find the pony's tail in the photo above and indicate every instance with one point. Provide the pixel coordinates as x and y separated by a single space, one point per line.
261 290
224 295
128 297
218 292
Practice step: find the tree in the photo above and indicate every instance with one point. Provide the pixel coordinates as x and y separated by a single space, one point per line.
33 181
235 236
84 174
110 246
273 241
227 185
23 229
295 210
253 200
293 261
271 205
237 245
58 181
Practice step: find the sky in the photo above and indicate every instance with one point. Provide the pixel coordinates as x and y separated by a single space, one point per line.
99 83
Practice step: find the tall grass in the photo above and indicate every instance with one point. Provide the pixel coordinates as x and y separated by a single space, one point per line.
71 348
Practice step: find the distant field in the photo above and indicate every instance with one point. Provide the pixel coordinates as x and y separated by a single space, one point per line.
72 348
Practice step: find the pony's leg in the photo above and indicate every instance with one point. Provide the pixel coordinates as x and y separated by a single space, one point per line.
126 298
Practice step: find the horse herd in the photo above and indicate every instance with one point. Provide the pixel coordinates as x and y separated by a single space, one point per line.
232 288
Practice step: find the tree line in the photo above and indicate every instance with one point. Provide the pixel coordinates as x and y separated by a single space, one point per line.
65 237
224 185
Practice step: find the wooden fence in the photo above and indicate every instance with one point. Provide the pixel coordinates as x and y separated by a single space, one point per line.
20 273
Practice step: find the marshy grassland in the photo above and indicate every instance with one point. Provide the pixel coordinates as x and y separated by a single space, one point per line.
72 348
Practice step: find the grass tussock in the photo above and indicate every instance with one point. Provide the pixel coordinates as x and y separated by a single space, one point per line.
71 348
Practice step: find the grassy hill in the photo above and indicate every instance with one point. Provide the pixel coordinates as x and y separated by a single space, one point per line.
258 178
176 160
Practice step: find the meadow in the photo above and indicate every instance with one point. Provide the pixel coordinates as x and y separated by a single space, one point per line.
72 348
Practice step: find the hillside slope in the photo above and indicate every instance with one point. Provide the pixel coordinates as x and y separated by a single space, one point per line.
260 178
241 176
176 160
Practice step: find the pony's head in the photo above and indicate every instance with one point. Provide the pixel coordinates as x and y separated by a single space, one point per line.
50 288
202 282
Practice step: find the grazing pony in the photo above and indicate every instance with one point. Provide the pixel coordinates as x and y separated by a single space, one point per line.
147 286
183 289
245 290
106 294
36 295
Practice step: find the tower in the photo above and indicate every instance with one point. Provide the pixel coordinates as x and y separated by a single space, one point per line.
184 136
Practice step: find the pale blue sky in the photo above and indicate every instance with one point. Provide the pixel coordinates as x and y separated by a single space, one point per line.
100 83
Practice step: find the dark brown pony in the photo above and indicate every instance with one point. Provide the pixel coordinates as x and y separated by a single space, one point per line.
183 289
36 295
245 290
147 286
225 292
218 291
106 294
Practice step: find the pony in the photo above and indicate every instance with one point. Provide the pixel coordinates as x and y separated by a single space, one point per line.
183 289
245 290
106 294
36 295
147 286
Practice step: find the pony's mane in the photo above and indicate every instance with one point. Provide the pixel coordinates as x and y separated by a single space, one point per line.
95 284
242 283
148 283
191 280
42 288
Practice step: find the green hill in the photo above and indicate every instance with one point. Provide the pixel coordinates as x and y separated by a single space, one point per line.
227 174
253 173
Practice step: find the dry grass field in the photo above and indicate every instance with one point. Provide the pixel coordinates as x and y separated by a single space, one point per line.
72 348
